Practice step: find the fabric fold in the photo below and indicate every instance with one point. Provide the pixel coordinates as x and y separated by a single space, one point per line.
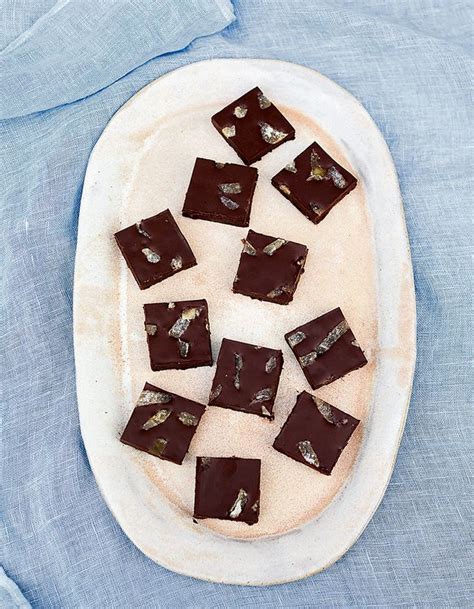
10 595
79 47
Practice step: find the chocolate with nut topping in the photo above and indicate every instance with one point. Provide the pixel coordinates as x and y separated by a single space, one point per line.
163 424
315 433
220 192
253 126
227 488
326 348
314 182
155 249
246 378
269 268
178 335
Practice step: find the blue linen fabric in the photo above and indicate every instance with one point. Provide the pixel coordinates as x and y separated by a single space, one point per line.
10 595
65 68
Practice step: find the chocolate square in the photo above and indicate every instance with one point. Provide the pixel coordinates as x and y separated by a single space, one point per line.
269 268
326 348
155 249
178 334
253 126
220 192
227 488
246 378
314 182
163 424
315 433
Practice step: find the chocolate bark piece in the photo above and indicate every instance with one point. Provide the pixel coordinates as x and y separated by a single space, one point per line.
246 378
227 488
155 249
315 433
269 268
314 182
178 334
253 126
326 348
220 192
163 424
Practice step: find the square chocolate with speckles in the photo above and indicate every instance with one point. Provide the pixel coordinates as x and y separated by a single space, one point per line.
314 182
270 268
178 334
220 192
253 126
315 433
227 488
326 348
246 378
155 249
163 424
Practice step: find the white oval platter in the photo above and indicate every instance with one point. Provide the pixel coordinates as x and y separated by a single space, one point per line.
359 259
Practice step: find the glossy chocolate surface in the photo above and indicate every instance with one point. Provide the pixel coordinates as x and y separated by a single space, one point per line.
314 182
315 433
341 357
246 378
170 439
220 192
227 488
252 117
191 348
155 249
271 276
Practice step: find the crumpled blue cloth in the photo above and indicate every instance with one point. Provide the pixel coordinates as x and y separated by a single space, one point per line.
410 64
10 595
80 47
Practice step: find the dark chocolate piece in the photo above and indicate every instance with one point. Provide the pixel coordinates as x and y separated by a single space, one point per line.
246 378
163 424
220 192
326 348
178 334
269 268
227 488
253 126
155 249
314 182
315 433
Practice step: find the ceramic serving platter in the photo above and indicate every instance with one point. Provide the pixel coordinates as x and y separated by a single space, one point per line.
359 259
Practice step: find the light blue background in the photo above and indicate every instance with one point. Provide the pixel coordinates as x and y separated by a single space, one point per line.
410 63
